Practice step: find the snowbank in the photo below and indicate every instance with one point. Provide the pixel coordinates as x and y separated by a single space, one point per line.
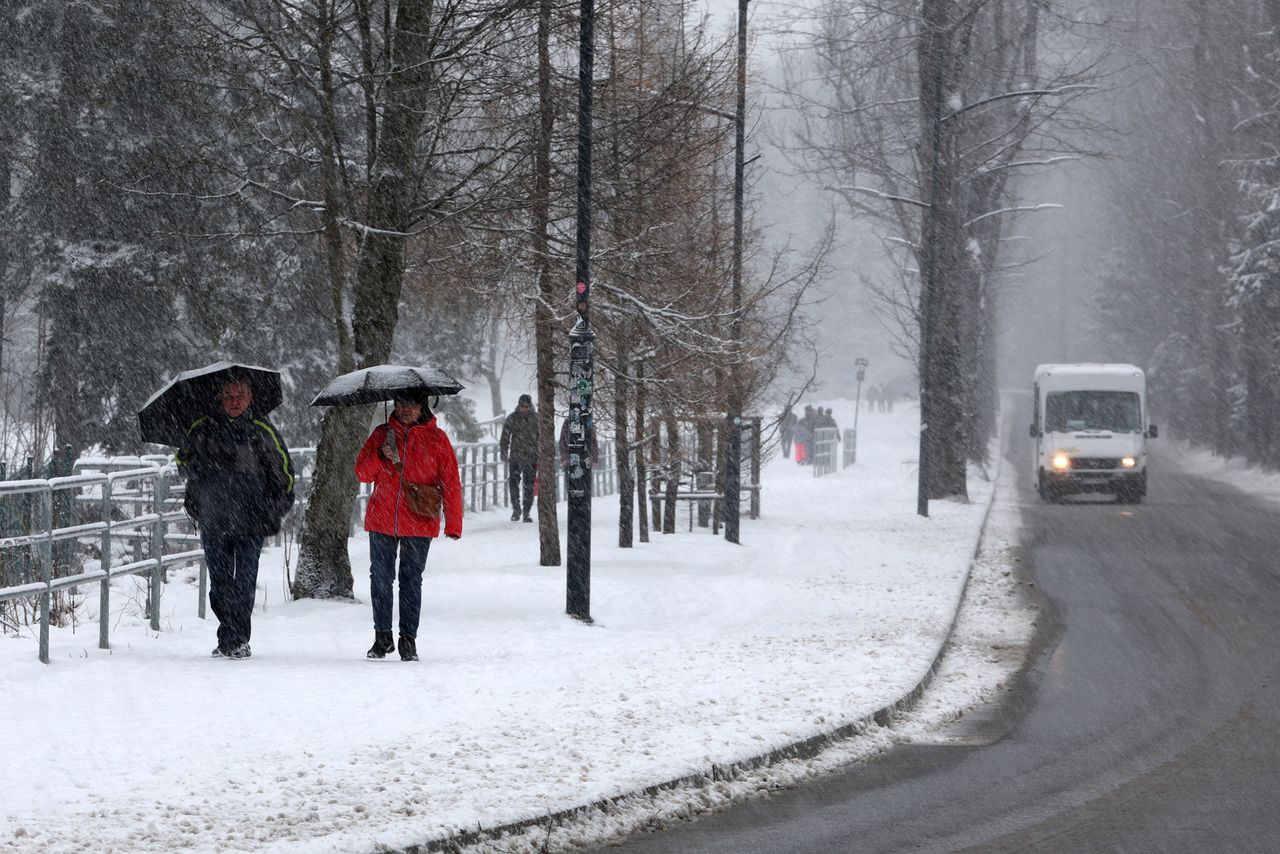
702 653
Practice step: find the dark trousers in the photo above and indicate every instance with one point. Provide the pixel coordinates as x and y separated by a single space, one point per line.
786 447
233 583
382 572
515 473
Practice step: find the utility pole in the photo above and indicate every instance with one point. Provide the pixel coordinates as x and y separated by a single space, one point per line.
733 445
578 481
861 365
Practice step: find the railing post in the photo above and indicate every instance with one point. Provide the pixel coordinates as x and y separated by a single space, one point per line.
104 563
160 495
46 569
477 477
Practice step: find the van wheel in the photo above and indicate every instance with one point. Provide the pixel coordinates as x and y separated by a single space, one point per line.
1128 495
1047 493
1133 492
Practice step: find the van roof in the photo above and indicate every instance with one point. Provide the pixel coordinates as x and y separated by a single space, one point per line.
1088 369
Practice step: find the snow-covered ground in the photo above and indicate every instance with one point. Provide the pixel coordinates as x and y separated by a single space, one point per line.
702 654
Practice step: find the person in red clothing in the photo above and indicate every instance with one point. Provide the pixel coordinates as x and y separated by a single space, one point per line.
410 449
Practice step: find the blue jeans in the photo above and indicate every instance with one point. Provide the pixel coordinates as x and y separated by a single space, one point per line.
233 583
382 572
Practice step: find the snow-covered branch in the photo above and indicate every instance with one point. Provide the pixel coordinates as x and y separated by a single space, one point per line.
1016 209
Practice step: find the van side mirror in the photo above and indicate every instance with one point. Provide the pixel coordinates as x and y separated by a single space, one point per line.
1152 431
1035 432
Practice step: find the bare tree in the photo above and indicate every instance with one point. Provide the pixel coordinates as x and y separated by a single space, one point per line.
925 113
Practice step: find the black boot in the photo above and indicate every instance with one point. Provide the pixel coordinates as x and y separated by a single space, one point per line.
408 648
382 644
515 515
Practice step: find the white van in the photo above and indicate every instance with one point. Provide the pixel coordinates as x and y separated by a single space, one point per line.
1090 429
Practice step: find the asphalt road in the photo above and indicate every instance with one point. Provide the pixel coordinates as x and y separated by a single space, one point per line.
1148 719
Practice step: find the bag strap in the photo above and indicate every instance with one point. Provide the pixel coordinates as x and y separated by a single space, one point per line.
439 484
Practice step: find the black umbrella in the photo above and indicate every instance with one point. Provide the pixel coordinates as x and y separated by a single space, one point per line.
169 413
385 382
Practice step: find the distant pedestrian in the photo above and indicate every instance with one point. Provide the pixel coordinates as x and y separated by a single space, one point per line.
787 431
414 472
239 487
889 394
829 420
803 436
519 449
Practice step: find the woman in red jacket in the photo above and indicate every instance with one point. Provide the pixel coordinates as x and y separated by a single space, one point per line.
408 454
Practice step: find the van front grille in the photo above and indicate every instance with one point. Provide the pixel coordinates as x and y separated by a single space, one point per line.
1095 463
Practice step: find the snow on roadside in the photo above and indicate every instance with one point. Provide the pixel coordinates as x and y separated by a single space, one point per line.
702 653
993 628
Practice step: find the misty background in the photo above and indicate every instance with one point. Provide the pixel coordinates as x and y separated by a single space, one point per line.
161 174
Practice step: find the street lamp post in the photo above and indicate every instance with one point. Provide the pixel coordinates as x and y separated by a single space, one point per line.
733 446
578 480
861 364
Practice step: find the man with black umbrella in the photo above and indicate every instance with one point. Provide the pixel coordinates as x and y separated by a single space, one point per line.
239 487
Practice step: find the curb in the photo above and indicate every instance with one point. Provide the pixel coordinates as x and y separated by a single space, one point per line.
804 749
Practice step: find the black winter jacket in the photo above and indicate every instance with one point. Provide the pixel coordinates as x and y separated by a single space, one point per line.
239 475
519 442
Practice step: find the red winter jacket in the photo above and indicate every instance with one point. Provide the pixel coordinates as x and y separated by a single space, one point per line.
427 457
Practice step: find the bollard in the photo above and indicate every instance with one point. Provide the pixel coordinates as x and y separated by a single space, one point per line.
46 570
104 563
159 496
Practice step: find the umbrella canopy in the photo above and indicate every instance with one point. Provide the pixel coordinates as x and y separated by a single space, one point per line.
169 413
385 382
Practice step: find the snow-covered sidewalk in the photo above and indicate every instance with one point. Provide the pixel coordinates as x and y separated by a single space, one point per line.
702 653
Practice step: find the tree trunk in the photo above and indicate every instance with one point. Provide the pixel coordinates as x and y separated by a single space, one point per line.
673 474
489 370
57 179
544 320
941 361
324 567
626 484
642 497
335 253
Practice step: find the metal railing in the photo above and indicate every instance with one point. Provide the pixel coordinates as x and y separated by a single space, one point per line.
850 448
141 489
139 499
480 468
825 440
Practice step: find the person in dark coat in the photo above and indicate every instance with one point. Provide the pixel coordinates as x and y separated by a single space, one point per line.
239 487
519 449
787 431
409 450
803 434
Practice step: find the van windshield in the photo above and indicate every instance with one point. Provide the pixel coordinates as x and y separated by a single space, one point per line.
1117 411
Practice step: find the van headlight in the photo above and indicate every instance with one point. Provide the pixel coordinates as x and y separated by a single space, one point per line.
1128 462
1061 462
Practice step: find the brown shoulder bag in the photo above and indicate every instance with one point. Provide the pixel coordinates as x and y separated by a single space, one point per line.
423 499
